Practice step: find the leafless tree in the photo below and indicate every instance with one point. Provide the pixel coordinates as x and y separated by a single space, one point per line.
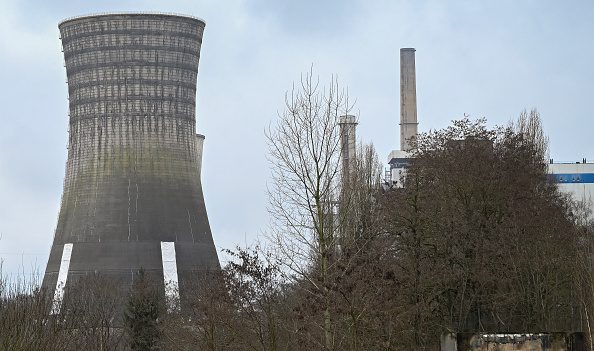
92 310
304 150
529 125
88 318
208 319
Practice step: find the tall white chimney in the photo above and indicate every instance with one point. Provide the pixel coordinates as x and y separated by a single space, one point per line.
408 98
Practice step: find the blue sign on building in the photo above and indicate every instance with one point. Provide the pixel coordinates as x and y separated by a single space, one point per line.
562 178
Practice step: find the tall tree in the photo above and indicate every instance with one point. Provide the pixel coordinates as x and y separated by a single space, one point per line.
529 126
304 152
481 240
143 309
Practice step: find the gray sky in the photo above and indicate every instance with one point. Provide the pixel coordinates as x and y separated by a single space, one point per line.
484 58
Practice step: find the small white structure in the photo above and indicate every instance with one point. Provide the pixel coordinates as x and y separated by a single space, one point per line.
398 161
199 150
170 274
62 276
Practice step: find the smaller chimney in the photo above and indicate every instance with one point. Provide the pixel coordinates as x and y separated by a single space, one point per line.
408 98
348 140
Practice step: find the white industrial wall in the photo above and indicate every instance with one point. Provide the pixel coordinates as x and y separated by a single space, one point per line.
576 179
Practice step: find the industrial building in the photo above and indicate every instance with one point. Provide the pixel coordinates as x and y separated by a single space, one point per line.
132 194
575 178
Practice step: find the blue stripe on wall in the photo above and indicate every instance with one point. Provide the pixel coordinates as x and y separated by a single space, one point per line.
562 178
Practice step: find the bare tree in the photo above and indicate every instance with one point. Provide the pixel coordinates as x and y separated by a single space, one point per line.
92 308
209 319
529 125
304 156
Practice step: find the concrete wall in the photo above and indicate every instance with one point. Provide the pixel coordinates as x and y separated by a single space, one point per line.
511 341
576 179
133 169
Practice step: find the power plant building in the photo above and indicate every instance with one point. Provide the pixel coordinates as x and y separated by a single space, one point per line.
576 179
132 194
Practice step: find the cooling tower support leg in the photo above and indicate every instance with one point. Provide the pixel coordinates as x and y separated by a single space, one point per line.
170 274
62 276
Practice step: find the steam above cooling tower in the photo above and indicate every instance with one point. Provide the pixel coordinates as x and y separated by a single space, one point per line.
408 98
132 191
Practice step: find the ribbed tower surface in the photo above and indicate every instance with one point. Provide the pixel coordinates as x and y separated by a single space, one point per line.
132 175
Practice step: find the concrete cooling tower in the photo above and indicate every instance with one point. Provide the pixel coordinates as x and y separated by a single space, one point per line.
132 191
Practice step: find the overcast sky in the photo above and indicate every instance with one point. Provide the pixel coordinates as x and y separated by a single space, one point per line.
487 59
